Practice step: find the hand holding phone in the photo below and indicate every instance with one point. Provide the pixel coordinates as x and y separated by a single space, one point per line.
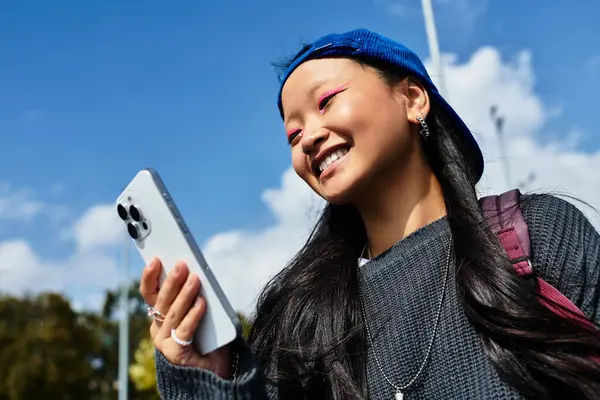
178 298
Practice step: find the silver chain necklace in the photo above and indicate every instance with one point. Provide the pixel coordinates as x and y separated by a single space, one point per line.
399 389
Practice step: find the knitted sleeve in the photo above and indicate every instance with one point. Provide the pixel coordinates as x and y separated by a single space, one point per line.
188 383
565 249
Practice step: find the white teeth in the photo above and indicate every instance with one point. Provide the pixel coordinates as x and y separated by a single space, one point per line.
330 159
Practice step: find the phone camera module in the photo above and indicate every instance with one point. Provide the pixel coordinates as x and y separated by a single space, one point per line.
122 211
133 230
135 213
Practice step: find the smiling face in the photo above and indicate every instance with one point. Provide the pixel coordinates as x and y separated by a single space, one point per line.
349 131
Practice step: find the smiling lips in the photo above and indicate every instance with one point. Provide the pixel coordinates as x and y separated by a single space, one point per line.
333 157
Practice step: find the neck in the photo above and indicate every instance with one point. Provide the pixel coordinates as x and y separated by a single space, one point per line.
393 212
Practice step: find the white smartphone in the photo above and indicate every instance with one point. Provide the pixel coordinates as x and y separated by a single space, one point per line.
158 230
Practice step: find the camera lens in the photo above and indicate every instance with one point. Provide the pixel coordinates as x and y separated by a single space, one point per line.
133 231
136 215
122 212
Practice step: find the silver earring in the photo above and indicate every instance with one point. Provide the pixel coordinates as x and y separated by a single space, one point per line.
424 128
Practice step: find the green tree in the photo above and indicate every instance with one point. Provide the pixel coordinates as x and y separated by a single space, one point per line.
46 349
143 370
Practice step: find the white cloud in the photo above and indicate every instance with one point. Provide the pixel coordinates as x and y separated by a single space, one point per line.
23 270
87 273
486 80
99 226
19 204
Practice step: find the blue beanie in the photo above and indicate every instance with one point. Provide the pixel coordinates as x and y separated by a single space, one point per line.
366 45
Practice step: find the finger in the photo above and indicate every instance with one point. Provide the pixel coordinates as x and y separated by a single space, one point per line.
150 281
154 329
181 305
171 288
187 327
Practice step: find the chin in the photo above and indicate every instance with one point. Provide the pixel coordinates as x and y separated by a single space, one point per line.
338 193
337 200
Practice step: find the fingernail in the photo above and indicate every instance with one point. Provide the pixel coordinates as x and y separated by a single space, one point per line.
191 280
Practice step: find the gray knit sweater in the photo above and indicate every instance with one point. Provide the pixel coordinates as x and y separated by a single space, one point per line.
401 289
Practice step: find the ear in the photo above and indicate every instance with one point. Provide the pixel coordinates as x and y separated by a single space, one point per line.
416 100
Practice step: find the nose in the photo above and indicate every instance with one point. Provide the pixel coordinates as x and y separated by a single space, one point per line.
310 142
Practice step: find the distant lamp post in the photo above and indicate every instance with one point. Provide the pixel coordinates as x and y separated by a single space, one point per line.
124 322
498 121
527 182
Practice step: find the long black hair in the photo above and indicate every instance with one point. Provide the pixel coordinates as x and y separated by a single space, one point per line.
308 325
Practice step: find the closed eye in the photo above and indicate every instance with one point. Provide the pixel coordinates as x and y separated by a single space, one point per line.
293 134
329 95
323 102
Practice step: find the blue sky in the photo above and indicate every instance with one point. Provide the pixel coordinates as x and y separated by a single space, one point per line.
90 92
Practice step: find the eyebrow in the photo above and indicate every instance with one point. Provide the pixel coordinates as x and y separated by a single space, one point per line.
316 86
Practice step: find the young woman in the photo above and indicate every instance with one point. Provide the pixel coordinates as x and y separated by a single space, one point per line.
403 289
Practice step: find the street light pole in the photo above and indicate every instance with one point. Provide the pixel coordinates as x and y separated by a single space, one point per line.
434 47
498 122
124 323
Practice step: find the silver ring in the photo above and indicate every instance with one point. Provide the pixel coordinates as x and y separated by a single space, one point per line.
180 342
153 312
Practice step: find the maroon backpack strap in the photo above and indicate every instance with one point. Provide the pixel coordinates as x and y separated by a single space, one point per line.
505 217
